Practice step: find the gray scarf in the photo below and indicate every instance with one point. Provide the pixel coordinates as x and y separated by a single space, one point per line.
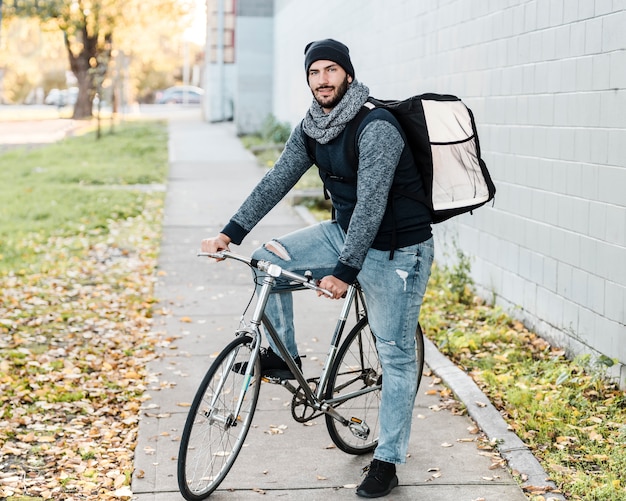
325 127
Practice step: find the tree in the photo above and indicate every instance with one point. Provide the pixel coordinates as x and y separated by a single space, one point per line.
88 28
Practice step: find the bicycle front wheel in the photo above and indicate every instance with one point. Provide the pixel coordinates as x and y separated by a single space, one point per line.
357 377
214 431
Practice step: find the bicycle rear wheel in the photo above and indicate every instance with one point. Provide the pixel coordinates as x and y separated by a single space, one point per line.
213 434
357 371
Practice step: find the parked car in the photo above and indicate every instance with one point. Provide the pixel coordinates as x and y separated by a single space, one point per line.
62 97
179 94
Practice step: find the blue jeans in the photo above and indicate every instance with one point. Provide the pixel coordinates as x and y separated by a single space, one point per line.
394 290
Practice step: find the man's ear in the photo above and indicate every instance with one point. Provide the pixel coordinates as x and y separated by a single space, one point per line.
349 79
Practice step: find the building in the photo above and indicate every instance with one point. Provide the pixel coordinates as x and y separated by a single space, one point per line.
546 80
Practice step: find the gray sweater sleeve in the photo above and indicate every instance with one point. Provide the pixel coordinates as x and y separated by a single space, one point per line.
288 169
380 146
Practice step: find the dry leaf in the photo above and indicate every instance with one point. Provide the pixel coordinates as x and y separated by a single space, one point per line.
536 489
79 335
123 492
119 481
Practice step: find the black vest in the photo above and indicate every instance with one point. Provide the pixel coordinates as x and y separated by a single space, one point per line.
406 221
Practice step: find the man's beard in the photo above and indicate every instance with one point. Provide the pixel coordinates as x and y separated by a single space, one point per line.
333 100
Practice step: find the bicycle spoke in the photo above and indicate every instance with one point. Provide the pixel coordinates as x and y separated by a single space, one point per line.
215 431
353 388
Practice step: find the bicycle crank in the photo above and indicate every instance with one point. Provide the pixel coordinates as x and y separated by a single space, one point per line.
358 428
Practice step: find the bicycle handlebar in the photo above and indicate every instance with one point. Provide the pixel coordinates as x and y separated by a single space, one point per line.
271 269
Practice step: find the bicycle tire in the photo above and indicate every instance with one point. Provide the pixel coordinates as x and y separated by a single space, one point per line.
212 439
356 367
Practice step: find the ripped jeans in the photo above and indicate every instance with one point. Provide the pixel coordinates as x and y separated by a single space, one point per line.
394 290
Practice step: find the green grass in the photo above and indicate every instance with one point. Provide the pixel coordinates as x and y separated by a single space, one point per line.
75 186
569 415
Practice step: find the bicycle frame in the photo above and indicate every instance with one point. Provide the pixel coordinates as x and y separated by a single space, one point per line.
354 297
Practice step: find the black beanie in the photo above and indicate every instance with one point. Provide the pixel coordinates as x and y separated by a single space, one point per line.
330 50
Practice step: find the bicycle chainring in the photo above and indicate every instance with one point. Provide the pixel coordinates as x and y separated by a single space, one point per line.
301 409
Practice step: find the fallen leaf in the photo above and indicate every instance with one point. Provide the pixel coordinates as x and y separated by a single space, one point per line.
119 481
123 492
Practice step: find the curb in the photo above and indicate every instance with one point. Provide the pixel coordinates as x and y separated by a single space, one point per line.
482 411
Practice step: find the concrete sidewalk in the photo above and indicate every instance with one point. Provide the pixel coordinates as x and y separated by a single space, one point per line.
201 302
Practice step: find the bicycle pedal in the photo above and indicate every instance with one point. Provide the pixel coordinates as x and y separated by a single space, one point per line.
278 377
359 428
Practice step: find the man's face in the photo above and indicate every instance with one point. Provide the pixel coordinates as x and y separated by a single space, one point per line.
328 82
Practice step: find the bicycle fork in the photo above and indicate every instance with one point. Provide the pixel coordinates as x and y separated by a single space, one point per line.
230 420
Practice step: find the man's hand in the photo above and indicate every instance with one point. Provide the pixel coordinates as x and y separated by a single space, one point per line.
215 244
334 285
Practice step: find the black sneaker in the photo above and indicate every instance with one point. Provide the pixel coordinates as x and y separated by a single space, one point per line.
271 365
380 480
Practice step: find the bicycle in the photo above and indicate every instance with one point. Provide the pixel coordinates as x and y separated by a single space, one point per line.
347 392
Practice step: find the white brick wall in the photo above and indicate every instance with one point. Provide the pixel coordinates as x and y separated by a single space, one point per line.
546 80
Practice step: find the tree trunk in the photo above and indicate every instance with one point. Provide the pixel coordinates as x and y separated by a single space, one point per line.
84 101
81 67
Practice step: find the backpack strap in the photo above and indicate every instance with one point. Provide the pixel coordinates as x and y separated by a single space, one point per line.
309 143
352 130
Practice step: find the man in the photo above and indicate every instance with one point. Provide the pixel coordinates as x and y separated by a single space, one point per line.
378 236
